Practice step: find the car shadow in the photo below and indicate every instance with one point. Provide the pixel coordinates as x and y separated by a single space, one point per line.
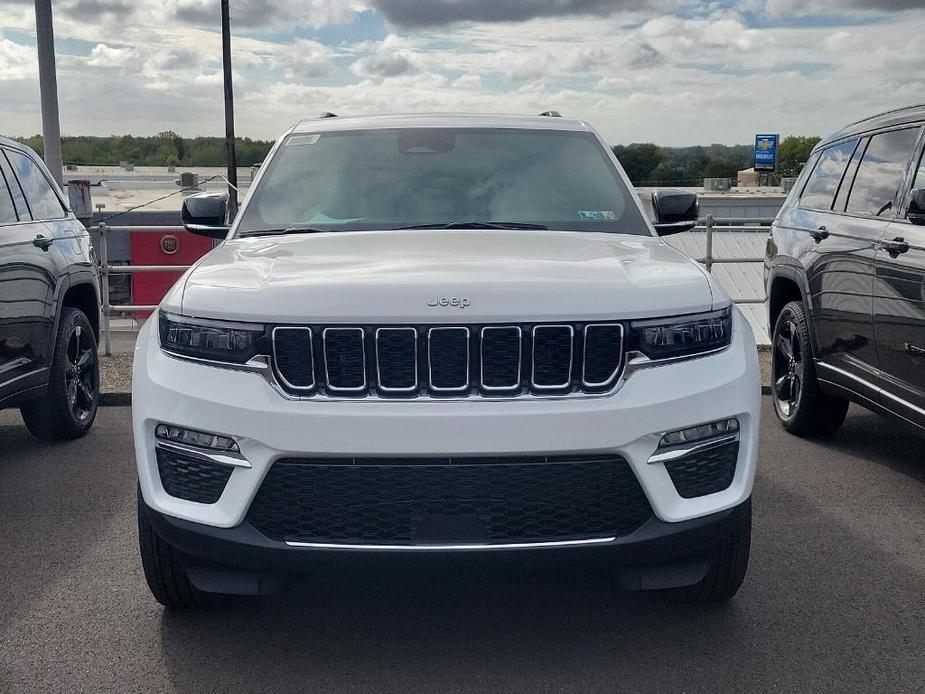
888 442
455 625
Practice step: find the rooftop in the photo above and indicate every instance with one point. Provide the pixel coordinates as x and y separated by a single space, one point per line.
898 116
439 120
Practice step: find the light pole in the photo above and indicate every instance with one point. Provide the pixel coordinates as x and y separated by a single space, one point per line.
230 155
48 87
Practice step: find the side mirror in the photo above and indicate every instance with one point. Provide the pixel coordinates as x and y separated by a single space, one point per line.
205 214
675 211
916 212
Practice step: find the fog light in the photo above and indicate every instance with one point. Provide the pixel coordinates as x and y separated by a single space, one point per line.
200 439
701 432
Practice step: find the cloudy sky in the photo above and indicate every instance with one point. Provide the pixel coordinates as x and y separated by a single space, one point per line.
675 72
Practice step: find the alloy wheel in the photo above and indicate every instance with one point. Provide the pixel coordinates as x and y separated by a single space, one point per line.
788 369
80 373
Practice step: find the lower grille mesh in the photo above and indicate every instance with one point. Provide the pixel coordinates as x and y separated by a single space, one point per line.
190 478
706 472
469 500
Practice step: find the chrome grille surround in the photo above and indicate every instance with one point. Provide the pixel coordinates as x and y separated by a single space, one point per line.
430 360
327 360
491 354
379 380
520 357
539 329
584 355
278 370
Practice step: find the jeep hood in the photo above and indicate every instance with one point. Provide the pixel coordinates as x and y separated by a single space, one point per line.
403 276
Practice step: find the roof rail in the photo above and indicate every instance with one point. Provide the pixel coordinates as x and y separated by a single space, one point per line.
885 113
551 114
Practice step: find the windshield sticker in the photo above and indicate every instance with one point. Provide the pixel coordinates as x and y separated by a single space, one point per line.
303 140
596 215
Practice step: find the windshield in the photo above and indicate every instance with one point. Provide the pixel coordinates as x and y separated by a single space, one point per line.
430 177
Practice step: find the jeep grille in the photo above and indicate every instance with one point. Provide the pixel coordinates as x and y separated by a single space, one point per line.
448 360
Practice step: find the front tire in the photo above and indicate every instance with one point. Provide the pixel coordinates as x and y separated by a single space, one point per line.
69 407
164 574
799 402
730 563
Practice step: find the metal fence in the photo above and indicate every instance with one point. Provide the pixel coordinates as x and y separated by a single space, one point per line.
708 225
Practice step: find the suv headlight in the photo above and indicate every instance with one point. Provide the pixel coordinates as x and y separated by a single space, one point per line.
682 336
211 339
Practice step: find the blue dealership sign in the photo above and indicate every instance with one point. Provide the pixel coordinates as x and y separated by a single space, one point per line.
766 152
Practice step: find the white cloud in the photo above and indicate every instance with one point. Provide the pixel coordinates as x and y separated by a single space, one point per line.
608 83
305 59
17 62
838 41
103 56
389 58
673 34
468 82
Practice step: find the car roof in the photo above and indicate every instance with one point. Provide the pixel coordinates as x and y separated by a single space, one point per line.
896 116
13 144
330 123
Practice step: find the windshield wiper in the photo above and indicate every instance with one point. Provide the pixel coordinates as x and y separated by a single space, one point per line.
283 231
478 225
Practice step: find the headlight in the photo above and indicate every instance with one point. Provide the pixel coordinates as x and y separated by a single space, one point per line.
212 340
682 336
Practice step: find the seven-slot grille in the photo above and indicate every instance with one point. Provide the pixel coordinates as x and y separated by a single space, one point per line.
451 360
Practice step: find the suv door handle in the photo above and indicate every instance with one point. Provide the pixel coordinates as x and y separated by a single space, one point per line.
42 242
820 234
896 247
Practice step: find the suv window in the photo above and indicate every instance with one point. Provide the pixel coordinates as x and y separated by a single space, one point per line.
823 182
880 174
42 200
7 211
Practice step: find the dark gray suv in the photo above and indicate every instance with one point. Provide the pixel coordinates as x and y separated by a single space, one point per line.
846 278
49 302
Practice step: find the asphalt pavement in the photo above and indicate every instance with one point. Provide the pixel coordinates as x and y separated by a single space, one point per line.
834 600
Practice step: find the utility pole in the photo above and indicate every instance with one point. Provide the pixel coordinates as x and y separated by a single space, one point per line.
48 86
230 154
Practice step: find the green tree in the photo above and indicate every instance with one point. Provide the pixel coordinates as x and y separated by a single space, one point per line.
721 168
794 153
639 160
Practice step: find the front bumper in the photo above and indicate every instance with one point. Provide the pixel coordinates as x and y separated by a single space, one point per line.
269 427
240 560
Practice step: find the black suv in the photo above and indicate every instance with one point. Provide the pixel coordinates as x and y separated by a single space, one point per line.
845 272
49 302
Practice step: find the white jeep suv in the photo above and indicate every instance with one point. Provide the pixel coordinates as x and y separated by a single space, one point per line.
451 334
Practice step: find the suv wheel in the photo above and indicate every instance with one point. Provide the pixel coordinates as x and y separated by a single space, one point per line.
68 409
730 562
166 578
801 406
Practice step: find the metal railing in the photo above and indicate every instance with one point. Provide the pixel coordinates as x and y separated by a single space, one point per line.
708 225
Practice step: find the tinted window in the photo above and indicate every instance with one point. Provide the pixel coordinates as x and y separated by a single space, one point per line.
43 203
823 182
7 211
881 172
841 197
387 179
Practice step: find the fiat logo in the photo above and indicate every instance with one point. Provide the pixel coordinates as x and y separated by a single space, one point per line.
170 244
